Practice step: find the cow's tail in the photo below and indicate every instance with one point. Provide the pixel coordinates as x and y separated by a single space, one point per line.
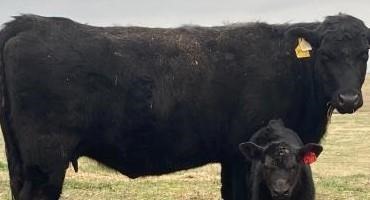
9 31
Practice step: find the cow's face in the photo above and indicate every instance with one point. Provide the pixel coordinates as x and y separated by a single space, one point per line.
279 164
340 46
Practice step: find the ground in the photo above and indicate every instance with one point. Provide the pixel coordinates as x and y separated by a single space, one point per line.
342 172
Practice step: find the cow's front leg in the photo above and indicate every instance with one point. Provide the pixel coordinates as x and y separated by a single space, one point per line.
233 180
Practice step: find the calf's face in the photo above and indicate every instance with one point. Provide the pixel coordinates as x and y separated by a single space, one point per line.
280 165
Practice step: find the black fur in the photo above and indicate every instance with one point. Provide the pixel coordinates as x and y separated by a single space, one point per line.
152 101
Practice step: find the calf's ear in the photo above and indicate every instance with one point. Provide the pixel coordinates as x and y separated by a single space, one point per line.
310 35
309 152
251 151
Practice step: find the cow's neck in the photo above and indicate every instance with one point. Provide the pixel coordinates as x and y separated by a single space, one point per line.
315 118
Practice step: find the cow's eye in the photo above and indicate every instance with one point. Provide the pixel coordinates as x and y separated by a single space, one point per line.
364 55
326 56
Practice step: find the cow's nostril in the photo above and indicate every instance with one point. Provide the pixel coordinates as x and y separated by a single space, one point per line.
341 99
349 100
356 99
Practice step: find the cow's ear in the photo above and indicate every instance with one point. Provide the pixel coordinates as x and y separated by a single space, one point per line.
309 152
310 35
251 151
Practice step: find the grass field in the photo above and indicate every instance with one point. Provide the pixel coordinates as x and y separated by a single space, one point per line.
342 172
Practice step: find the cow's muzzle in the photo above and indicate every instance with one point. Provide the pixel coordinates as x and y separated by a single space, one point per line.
347 102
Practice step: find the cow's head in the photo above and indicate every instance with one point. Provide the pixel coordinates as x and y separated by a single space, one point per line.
340 50
280 165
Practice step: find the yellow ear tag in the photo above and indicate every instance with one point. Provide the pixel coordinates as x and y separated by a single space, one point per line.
303 48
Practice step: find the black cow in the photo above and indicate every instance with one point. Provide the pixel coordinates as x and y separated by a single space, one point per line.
280 164
149 101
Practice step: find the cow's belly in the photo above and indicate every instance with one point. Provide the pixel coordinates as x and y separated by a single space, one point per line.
149 153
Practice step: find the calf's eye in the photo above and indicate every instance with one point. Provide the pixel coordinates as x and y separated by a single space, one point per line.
292 168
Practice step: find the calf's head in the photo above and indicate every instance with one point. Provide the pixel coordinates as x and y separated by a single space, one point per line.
280 164
340 50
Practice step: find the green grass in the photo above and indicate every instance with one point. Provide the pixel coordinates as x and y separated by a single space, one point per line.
341 173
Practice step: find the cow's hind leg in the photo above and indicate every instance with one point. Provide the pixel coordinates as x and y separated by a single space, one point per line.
233 180
45 159
37 169
16 179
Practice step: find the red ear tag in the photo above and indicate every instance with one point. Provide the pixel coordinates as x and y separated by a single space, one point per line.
309 158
